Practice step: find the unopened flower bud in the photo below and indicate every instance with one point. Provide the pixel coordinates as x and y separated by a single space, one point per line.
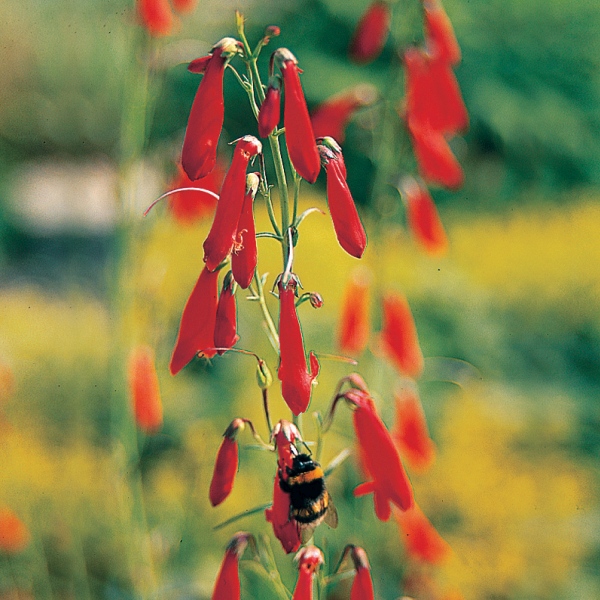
263 375
316 301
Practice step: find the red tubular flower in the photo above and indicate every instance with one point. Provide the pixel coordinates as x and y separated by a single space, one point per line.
371 33
144 390
433 97
199 154
197 327
354 329
423 542
362 586
309 559
439 33
285 529
296 379
399 336
222 235
410 433
226 320
14 535
389 482
245 256
423 219
268 116
156 16
226 464
184 6
188 207
299 134
331 117
349 230
436 163
227 585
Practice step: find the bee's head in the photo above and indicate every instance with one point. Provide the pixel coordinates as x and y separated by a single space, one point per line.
303 463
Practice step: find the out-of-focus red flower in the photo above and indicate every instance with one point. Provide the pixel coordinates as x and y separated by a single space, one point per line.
309 559
348 228
362 586
435 160
299 135
199 154
371 33
226 464
14 535
269 113
439 33
227 585
354 329
433 97
399 336
188 207
184 6
226 320
245 252
156 16
197 326
296 379
423 542
389 482
222 235
423 219
285 529
7 381
331 117
410 432
144 390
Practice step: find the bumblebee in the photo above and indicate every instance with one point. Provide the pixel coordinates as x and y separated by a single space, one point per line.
310 502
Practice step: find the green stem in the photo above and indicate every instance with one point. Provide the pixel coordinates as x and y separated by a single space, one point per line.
260 294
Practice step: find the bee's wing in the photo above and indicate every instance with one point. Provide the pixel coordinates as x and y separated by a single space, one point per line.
331 516
306 531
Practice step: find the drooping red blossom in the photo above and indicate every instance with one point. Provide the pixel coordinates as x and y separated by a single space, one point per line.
436 163
332 116
227 585
245 253
285 529
433 97
439 33
354 327
423 542
411 433
371 33
399 336
14 535
389 482
423 219
226 320
226 464
362 586
144 389
197 326
199 154
299 135
184 6
309 559
222 235
296 379
348 227
270 109
189 206
156 16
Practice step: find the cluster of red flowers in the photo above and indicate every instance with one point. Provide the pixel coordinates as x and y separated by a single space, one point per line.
208 323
